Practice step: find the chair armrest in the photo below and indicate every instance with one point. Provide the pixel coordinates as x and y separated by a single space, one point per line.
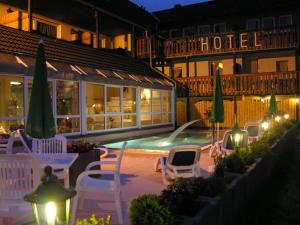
94 172
206 147
98 163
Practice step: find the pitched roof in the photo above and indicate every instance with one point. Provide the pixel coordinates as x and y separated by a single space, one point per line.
127 10
206 11
24 43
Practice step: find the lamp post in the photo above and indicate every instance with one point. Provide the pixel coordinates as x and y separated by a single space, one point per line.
277 118
50 201
236 135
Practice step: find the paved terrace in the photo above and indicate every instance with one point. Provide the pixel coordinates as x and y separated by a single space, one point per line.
137 178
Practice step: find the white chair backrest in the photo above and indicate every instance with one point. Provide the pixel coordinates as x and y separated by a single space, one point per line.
8 147
25 140
253 128
184 157
19 175
120 157
57 144
227 143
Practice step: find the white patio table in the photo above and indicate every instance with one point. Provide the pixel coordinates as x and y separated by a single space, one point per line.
58 161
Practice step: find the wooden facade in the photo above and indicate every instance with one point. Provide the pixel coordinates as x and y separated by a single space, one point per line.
284 83
223 43
249 109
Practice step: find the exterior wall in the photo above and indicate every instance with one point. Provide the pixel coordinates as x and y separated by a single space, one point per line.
227 66
202 68
250 109
192 71
269 64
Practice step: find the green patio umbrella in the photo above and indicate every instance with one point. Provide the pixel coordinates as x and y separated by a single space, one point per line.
217 112
40 120
273 106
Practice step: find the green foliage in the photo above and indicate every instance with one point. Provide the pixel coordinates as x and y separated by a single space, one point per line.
259 149
94 221
219 166
234 164
181 195
149 210
213 186
246 155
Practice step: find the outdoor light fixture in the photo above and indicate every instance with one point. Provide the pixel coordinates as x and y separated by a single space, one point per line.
17 83
237 137
265 125
51 201
296 100
286 116
277 119
220 65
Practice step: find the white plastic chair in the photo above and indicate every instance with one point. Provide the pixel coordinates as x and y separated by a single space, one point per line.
86 184
55 145
19 175
8 147
225 146
254 131
27 143
181 162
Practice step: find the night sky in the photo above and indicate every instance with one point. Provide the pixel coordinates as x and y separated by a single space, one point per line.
155 5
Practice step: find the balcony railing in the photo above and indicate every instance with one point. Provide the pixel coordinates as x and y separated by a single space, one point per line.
232 42
283 83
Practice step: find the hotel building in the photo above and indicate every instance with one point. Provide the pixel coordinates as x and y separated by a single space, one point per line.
96 83
257 42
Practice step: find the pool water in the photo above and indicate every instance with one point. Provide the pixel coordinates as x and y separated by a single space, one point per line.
159 142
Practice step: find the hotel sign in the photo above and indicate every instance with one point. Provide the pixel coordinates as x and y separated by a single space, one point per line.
232 42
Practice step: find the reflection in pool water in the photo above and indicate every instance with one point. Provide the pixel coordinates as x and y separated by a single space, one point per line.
158 142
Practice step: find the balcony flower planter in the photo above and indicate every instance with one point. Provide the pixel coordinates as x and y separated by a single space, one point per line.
227 207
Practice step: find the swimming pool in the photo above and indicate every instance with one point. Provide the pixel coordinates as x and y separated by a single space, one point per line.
160 143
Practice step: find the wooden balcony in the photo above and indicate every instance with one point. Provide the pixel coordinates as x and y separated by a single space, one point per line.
223 43
284 83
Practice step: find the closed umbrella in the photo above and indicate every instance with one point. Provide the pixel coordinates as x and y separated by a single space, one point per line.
217 112
40 120
273 106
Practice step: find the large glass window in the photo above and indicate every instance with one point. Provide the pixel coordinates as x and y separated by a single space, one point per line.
11 103
113 99
67 95
67 101
155 107
95 107
129 107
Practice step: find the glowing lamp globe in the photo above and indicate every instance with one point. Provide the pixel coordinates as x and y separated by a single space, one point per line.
277 119
286 116
237 137
265 125
51 201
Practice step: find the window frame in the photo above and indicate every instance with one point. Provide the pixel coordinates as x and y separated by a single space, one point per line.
220 24
251 20
268 17
282 16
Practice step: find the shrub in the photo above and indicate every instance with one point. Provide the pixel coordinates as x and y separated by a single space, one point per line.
213 186
182 194
94 221
259 149
246 155
149 210
234 164
219 166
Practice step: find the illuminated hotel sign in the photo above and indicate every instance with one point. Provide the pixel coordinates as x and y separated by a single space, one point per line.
231 42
